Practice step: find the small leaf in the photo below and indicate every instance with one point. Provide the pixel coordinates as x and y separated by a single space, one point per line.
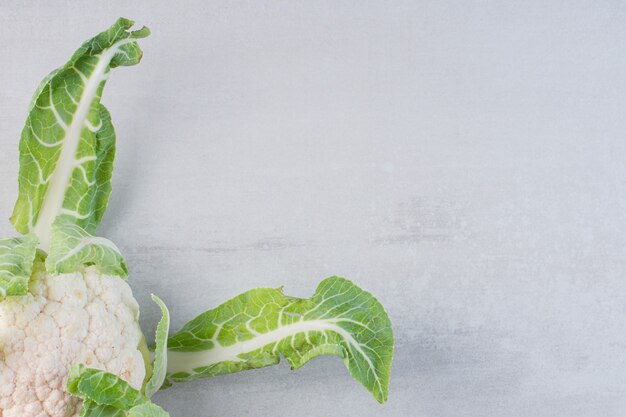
91 409
147 410
71 247
107 395
102 388
98 193
16 264
160 352
254 329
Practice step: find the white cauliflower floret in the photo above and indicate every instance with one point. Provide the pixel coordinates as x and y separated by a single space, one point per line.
84 317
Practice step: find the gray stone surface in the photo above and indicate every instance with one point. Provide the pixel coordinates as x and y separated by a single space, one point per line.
464 161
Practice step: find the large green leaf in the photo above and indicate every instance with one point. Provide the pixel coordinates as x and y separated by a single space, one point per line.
67 145
160 352
71 247
255 328
16 264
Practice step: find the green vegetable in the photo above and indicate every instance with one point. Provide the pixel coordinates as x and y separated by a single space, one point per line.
67 151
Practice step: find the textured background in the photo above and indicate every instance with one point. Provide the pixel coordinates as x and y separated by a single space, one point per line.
464 161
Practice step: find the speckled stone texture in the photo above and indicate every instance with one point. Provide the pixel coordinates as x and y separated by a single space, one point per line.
464 161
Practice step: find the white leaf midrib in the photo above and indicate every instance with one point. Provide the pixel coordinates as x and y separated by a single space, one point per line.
188 361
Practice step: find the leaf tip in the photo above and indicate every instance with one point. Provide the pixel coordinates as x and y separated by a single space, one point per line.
144 32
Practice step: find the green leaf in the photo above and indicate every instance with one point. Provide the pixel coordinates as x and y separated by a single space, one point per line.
255 328
160 352
98 194
102 388
71 247
107 395
92 409
16 264
147 410
67 145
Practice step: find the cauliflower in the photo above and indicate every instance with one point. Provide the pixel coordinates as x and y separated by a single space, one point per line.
82 317
70 341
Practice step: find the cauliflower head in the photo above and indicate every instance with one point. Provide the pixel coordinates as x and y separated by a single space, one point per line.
83 317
